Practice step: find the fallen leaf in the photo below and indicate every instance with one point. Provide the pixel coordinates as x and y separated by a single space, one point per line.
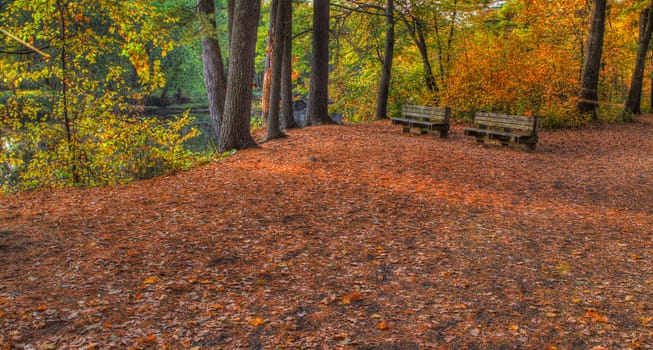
354 296
329 299
150 338
41 307
149 280
382 325
257 321
595 316
563 268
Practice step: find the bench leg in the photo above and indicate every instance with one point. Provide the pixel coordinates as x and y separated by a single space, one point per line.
405 129
531 146
480 140
444 133
423 131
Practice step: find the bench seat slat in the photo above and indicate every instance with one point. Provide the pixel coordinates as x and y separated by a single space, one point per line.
424 118
505 128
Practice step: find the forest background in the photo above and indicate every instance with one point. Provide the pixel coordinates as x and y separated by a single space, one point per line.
77 77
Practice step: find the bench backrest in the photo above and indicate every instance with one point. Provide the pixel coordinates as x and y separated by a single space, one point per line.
436 114
519 123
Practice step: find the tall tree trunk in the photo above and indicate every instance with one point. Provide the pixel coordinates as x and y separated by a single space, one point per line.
67 122
231 8
318 95
235 130
589 97
269 53
386 73
651 93
287 118
633 103
274 130
214 79
416 30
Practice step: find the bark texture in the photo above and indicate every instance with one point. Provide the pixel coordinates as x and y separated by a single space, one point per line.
589 98
634 101
386 73
235 130
287 118
269 53
274 130
213 66
318 96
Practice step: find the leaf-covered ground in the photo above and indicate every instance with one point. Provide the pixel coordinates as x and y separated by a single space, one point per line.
352 237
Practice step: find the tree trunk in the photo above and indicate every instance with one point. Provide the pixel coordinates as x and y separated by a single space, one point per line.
274 131
651 93
287 118
231 6
269 53
67 122
386 73
634 100
214 79
318 96
235 130
589 98
416 30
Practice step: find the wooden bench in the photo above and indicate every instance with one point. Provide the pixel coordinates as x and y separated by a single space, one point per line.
426 119
504 128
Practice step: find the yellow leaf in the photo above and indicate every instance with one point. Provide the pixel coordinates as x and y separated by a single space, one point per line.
514 327
563 268
149 280
256 322
646 321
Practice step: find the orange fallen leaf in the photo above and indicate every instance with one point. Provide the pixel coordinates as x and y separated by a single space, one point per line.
595 316
149 338
256 322
149 280
354 296
41 307
513 327
382 325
